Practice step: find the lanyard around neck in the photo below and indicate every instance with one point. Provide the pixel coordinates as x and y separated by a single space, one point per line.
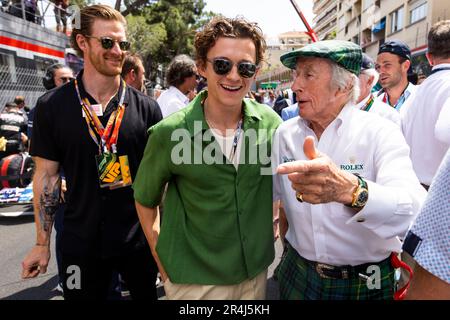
440 69
368 104
108 136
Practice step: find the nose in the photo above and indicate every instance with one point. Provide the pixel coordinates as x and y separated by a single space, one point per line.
297 84
116 48
234 74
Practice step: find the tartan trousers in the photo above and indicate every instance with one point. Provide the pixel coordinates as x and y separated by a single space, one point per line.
299 280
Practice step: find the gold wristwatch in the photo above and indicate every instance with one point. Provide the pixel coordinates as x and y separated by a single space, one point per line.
361 194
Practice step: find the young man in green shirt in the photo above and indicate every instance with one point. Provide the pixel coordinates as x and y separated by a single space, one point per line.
216 239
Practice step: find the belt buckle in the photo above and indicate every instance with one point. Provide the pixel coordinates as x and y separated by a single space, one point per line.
320 267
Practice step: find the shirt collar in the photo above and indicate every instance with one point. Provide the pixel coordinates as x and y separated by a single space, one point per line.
441 66
114 100
179 94
363 102
337 123
195 114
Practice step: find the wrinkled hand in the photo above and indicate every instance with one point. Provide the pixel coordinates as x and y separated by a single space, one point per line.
319 180
35 262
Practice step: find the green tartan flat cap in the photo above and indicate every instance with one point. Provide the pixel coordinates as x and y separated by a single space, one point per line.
346 54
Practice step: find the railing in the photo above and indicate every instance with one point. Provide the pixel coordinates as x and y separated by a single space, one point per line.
41 12
20 81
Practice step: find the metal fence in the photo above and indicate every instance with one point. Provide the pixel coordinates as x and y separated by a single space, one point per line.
20 82
42 12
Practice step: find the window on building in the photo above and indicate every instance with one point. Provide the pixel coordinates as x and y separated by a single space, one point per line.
418 11
397 20
341 22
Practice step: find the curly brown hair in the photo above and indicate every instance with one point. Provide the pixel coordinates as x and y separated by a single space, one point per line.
221 26
87 17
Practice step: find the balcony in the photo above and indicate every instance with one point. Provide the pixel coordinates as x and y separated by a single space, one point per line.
320 5
325 11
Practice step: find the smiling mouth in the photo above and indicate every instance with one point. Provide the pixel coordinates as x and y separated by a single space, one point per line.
231 88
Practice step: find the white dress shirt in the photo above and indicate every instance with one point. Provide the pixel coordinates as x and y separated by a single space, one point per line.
358 142
428 147
172 100
406 95
382 109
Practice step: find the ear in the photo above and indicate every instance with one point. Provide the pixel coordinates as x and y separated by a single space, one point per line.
406 65
201 68
132 75
343 92
429 58
370 80
82 42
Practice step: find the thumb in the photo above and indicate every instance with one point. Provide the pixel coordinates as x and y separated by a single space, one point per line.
309 149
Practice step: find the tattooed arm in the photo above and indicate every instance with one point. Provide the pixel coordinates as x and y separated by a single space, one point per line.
46 194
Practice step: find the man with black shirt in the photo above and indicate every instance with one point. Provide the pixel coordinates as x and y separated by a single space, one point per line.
98 138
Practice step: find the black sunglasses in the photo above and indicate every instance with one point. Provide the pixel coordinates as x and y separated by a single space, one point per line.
108 43
223 66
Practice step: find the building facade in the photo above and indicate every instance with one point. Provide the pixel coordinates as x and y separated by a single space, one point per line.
325 20
372 22
272 70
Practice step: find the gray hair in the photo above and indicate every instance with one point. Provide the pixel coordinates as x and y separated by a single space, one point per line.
180 68
372 73
342 79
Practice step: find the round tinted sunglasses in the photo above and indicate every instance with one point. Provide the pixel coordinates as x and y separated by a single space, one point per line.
223 66
108 43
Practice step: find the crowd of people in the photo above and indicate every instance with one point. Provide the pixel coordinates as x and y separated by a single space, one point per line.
337 169
29 10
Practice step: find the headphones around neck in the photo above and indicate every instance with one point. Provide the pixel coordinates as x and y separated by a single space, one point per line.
48 80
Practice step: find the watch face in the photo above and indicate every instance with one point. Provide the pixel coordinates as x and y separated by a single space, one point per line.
363 197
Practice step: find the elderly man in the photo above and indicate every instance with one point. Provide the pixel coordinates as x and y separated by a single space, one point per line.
393 63
346 204
181 78
366 101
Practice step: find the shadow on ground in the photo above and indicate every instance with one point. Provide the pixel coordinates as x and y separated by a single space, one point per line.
45 291
10 221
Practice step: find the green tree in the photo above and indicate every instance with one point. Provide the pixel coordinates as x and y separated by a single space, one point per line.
163 29
146 39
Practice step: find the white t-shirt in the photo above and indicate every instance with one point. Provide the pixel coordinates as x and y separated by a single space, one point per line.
226 145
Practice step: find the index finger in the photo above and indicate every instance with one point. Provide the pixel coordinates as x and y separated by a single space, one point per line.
301 166
30 272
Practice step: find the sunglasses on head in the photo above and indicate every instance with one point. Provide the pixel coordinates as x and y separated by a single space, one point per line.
108 43
223 66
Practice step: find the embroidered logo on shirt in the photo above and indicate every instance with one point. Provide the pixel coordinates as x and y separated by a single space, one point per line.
286 159
352 166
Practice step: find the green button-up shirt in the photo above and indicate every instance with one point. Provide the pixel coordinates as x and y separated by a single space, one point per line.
217 223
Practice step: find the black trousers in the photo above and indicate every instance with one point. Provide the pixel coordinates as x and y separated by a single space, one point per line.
89 278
